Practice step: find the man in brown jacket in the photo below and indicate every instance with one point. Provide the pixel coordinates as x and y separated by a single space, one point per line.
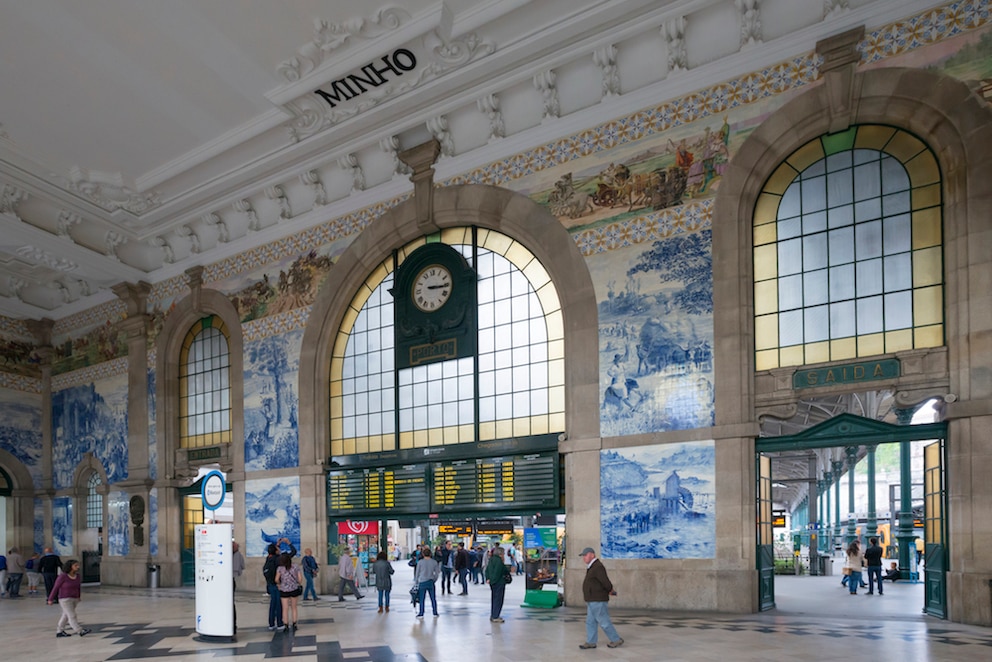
596 591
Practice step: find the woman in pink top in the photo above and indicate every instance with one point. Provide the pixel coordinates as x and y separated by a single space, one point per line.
67 591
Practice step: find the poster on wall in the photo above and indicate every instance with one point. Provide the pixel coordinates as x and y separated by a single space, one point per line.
541 566
659 501
214 581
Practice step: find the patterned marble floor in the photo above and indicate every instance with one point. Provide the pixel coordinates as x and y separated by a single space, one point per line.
816 620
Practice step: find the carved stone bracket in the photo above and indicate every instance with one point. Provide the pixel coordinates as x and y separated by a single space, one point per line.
421 160
840 60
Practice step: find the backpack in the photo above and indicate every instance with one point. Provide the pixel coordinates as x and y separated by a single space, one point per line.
289 581
29 565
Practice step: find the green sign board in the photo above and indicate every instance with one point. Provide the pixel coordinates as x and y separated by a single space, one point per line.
849 373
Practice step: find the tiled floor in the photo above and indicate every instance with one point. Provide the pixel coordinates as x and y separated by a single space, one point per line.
816 619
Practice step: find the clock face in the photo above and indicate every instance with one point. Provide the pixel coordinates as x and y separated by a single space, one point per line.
431 288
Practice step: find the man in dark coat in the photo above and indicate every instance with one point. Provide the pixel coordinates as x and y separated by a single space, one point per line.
49 566
461 567
596 591
873 559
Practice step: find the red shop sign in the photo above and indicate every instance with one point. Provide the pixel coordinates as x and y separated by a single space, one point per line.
358 528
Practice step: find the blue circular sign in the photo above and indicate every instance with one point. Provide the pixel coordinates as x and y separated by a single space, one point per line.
213 490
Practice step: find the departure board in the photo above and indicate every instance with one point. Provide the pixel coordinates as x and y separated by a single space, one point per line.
498 482
398 488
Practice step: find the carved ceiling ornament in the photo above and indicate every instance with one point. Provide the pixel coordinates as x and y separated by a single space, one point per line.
331 36
43 257
108 191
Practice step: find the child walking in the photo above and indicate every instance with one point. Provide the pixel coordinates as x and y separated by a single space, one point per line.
67 590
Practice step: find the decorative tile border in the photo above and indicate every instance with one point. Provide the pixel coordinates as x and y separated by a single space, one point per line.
20 383
689 217
113 311
15 329
90 374
924 29
275 325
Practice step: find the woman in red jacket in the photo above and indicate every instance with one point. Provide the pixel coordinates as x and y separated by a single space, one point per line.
67 591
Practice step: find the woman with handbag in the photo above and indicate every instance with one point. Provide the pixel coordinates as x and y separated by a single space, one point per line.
854 563
498 576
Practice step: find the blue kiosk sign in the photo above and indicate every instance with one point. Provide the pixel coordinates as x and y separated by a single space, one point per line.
212 490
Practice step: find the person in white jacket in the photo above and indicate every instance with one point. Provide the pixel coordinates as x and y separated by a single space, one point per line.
346 570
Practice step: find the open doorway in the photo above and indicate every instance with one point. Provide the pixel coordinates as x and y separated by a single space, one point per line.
841 480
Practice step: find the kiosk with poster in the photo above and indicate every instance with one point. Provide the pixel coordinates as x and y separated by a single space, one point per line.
541 567
363 539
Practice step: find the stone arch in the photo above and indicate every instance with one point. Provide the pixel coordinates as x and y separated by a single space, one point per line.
956 124
23 484
20 524
485 206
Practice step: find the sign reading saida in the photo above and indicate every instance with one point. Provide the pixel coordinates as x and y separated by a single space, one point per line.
849 373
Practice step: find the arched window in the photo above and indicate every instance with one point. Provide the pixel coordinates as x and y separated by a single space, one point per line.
512 387
848 250
205 385
94 502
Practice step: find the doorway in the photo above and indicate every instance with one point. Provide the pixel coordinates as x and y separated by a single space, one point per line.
859 438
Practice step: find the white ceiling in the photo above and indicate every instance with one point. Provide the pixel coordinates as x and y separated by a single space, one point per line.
139 138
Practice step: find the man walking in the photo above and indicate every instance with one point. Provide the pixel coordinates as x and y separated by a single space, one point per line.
15 572
346 571
310 569
596 591
49 566
873 559
447 561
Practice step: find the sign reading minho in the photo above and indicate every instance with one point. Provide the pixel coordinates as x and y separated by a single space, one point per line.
370 76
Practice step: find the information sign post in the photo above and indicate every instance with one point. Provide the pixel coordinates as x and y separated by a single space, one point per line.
214 577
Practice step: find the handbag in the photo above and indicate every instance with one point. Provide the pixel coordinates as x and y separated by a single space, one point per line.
509 578
846 571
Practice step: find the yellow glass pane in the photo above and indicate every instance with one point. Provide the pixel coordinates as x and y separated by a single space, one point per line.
556 372
336 389
421 439
871 344
340 346
766 332
818 352
765 234
375 444
873 136
183 388
363 294
843 348
766 297
928 306
556 399
406 440
765 262
496 242
537 274
539 424
337 428
519 256
923 169
766 360
450 435
504 429
466 433
348 320
904 146
897 341
780 179
556 325
791 355
926 196
456 236
556 422
337 447
521 427
926 228
556 349
487 431
766 209
806 155
337 407
928 336
928 268
350 448
548 296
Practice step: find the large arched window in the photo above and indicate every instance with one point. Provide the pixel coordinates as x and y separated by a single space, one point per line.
512 387
94 502
205 385
847 250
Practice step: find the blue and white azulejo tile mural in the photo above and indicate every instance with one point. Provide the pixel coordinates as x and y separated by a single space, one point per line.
118 523
272 367
272 509
62 525
20 431
658 502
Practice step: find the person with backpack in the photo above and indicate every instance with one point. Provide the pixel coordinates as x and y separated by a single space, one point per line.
310 569
269 572
288 579
34 575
